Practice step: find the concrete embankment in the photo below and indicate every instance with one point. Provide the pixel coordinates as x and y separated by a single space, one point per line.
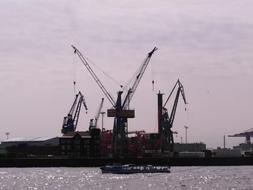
96 162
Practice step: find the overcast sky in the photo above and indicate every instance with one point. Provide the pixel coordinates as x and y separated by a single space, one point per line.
207 44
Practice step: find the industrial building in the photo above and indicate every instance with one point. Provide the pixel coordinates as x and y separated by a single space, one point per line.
30 147
80 144
189 147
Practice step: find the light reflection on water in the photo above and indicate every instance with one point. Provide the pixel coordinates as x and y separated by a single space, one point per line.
91 178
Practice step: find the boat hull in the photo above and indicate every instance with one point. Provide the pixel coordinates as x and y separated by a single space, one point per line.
132 169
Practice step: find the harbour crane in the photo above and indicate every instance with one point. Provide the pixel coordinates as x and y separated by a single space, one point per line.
71 120
93 122
247 134
167 119
120 110
122 113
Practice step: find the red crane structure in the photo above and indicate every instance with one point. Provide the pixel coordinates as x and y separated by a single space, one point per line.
120 110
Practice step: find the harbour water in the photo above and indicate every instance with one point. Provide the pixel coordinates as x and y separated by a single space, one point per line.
230 178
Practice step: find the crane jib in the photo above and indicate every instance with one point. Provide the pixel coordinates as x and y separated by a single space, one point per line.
101 86
132 90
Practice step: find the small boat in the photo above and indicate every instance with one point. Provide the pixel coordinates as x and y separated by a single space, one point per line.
131 169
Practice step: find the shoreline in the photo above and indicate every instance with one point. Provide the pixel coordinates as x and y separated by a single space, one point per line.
97 162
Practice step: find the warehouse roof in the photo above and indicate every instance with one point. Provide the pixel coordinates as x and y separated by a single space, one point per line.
23 139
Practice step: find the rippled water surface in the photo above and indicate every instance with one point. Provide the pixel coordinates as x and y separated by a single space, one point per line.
91 178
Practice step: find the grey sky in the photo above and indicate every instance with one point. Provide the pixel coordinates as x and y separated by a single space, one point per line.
207 44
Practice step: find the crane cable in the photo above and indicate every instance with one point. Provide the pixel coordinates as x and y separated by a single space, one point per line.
152 77
136 74
128 83
188 113
74 73
101 70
